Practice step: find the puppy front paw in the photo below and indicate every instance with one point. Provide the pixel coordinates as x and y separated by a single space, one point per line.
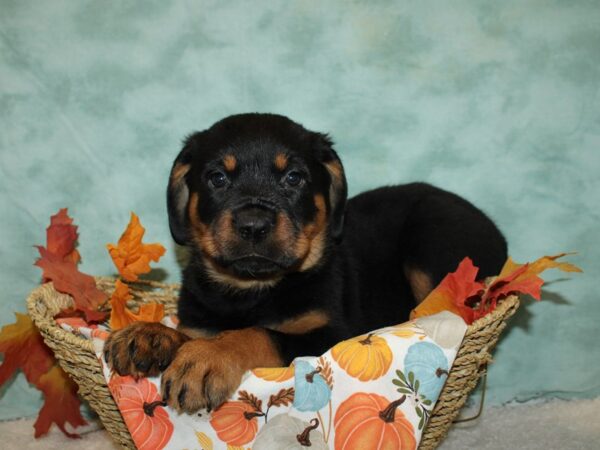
142 349
202 375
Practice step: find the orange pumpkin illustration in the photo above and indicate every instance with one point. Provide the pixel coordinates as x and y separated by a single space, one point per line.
371 422
366 358
143 411
235 422
276 374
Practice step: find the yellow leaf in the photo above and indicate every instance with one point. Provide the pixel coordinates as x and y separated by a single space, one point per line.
437 301
539 265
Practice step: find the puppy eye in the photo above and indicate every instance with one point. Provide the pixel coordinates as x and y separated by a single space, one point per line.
294 178
217 179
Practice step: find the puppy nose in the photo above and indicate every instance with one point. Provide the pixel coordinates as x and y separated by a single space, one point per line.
254 224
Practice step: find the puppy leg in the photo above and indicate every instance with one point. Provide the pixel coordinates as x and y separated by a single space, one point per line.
142 349
206 372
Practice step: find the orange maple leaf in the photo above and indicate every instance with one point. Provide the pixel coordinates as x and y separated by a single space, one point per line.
517 278
61 236
61 404
68 280
24 349
130 255
121 316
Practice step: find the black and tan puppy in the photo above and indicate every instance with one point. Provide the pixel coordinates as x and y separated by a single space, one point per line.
281 265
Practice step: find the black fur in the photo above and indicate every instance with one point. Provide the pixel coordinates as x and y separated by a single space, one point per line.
359 281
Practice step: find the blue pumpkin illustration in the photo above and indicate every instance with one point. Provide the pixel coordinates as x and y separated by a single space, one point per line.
430 368
311 390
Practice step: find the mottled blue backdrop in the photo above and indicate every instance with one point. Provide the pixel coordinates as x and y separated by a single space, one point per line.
497 101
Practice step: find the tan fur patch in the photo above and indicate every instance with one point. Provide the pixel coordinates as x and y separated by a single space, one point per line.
178 172
178 185
302 324
337 173
420 283
195 333
225 233
311 241
281 161
229 162
201 234
205 372
284 230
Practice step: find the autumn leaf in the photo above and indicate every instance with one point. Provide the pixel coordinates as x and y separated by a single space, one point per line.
130 255
539 265
23 348
517 278
61 236
61 404
460 293
452 293
250 399
283 398
68 280
121 316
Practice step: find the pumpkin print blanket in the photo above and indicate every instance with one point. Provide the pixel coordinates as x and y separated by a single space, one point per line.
370 392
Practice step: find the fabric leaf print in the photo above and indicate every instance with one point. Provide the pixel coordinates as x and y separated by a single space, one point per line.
411 387
312 391
251 399
326 370
143 411
235 422
283 398
426 363
366 358
371 421
290 433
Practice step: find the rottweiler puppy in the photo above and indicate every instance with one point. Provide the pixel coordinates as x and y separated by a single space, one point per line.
282 265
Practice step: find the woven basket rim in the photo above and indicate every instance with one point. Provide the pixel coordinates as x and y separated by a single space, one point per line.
500 312
44 302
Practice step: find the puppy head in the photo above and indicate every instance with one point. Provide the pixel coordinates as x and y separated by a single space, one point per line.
258 196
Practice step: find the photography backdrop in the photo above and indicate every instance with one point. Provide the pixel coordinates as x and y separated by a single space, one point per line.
497 101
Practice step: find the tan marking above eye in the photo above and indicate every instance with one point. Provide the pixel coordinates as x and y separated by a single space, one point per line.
229 162
281 161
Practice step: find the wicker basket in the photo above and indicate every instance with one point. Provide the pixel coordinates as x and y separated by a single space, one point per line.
76 356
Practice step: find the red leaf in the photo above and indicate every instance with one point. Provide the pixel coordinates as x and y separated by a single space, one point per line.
455 293
68 280
61 236
61 404
24 349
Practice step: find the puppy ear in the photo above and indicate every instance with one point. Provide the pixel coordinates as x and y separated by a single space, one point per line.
338 189
178 194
